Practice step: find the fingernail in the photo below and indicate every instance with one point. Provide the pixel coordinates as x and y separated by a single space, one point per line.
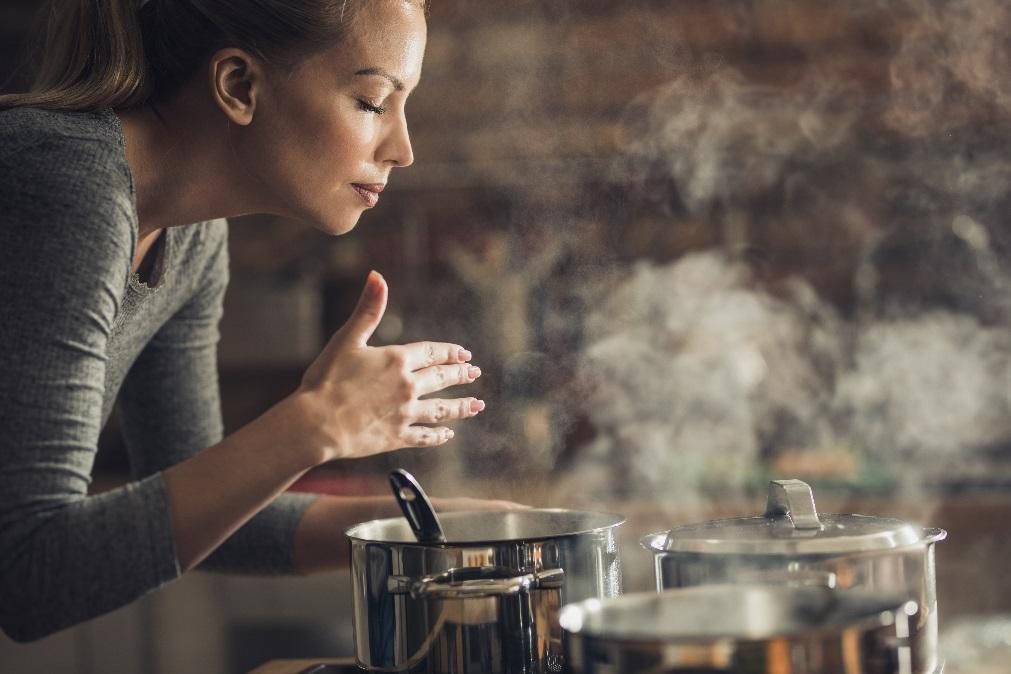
372 282
449 433
476 406
473 372
464 355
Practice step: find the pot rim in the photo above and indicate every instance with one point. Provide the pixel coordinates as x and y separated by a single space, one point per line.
893 536
615 520
574 617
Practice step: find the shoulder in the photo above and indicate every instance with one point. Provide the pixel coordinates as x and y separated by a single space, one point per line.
81 154
94 133
66 196
23 119
57 167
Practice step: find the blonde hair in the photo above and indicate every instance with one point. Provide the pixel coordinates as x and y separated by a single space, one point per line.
110 54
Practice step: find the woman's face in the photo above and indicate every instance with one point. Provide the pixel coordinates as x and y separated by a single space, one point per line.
325 137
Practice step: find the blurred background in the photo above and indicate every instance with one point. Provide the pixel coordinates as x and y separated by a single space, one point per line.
693 244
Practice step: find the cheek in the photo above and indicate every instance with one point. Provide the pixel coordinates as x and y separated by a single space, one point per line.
333 148
308 151
348 140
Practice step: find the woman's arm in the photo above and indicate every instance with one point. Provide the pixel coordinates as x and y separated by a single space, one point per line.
171 412
354 401
212 494
170 408
66 556
65 247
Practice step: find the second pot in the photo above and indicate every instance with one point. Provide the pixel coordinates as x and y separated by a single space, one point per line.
792 544
485 600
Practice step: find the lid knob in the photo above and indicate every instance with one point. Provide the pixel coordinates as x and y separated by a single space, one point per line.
792 499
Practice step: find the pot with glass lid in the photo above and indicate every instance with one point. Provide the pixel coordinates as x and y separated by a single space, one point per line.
792 544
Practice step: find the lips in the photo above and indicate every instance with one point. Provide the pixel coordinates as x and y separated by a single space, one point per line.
369 192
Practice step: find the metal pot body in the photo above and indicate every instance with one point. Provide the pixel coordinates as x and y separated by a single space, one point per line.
487 600
910 570
741 629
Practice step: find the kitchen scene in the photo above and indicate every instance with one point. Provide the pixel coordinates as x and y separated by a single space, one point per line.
738 276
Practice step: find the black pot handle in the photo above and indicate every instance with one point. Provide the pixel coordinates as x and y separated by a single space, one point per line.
416 507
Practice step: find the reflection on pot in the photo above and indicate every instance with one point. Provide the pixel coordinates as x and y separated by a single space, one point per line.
742 629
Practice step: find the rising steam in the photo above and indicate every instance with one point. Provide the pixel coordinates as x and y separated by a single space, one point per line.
701 374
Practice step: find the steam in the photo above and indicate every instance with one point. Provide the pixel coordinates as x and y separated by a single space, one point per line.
955 60
726 141
853 298
697 377
691 371
702 373
928 388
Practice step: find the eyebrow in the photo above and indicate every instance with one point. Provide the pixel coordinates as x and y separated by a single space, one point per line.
397 84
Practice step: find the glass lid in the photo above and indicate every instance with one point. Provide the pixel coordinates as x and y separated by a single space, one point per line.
791 526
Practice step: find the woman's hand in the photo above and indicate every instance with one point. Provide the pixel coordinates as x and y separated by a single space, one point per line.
363 400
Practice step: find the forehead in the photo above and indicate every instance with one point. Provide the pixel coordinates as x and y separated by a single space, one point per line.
386 34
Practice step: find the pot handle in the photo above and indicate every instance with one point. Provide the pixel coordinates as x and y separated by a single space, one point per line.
476 581
794 500
934 535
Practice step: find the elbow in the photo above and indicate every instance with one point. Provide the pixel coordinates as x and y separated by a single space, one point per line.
23 636
18 622
25 613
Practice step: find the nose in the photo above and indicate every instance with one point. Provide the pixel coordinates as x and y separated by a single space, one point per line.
396 147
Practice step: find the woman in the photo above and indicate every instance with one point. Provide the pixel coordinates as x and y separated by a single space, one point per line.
144 121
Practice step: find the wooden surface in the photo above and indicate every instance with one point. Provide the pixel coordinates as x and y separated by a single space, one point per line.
295 666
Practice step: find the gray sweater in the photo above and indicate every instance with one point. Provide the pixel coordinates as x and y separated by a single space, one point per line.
78 329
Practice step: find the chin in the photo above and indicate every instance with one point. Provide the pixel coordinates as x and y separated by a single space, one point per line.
334 224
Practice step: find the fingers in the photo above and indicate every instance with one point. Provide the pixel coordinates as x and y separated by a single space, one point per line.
436 378
368 312
424 436
440 411
426 354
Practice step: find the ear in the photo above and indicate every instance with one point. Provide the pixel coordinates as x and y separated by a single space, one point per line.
236 79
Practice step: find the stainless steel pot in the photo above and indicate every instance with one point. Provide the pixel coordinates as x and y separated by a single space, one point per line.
743 629
791 544
487 599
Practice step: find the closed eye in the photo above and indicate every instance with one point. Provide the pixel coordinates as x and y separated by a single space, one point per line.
369 107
